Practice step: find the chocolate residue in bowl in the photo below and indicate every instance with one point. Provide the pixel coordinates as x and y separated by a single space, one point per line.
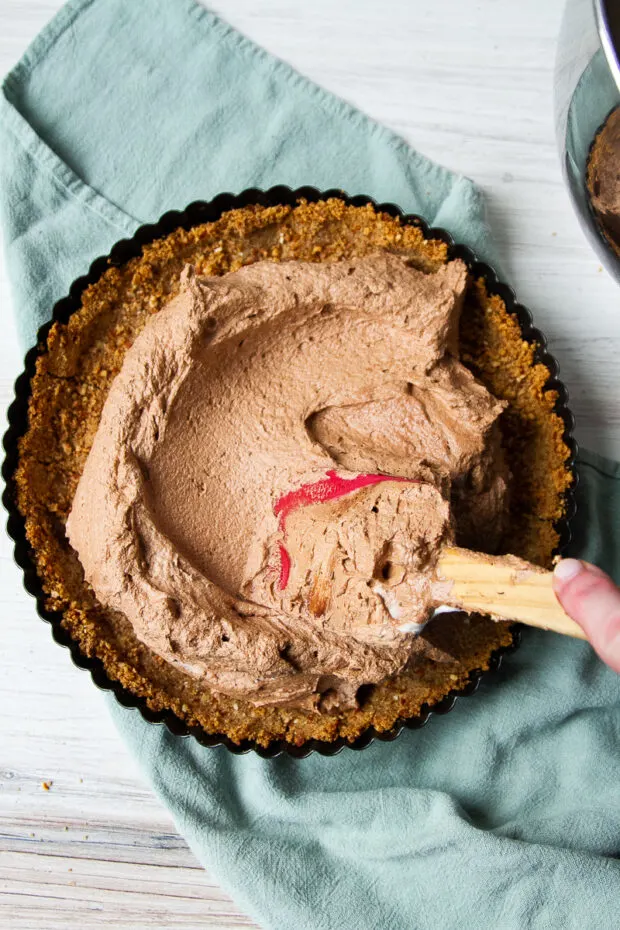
603 179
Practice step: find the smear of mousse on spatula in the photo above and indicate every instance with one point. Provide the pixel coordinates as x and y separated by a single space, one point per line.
337 542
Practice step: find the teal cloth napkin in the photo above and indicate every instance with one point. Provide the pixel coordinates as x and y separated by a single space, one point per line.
504 814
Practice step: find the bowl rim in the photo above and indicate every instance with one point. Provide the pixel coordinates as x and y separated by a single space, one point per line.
194 214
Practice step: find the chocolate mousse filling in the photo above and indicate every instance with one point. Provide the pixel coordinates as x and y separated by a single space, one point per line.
603 179
277 465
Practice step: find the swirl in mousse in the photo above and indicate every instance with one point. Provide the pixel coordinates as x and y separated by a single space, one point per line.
278 464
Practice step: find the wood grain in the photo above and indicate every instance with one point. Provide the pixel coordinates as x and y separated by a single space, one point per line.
468 84
503 587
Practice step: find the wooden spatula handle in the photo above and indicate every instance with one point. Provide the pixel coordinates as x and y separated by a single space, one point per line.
504 587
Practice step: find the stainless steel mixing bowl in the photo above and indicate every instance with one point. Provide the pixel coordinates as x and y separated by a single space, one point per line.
587 89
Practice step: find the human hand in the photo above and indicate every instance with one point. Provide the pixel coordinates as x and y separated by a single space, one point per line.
592 599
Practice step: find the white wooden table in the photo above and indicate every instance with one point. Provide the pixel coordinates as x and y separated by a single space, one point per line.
468 83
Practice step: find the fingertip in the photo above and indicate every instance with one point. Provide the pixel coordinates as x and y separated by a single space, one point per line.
567 569
591 598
